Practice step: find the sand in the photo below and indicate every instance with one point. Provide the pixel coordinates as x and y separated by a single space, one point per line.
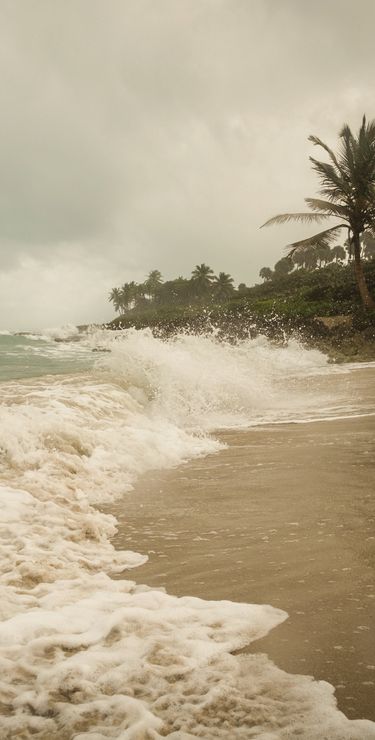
284 515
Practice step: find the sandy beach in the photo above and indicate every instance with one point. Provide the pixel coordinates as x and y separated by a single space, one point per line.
269 516
285 516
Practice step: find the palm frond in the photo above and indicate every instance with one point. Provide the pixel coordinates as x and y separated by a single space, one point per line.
334 186
366 158
317 240
347 149
339 165
366 133
358 154
333 209
346 133
284 218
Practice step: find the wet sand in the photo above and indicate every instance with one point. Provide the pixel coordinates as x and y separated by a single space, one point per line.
284 515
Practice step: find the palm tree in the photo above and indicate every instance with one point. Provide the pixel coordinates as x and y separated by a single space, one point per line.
323 253
175 291
139 296
223 286
202 277
115 298
348 183
127 294
153 283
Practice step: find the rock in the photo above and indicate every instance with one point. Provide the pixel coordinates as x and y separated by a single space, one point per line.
335 322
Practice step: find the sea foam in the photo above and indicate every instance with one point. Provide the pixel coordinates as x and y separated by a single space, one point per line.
84 655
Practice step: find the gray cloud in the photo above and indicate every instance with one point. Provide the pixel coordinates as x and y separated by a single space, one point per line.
138 134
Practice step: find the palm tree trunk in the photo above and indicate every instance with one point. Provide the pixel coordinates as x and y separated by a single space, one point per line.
367 299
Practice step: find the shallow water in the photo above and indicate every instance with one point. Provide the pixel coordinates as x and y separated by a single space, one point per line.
284 514
31 355
87 654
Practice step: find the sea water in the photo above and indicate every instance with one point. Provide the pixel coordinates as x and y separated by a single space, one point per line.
85 655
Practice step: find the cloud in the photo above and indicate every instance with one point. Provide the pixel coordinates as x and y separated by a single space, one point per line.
144 135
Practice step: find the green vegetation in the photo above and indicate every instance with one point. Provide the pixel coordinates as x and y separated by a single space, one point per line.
313 258
287 301
202 289
348 184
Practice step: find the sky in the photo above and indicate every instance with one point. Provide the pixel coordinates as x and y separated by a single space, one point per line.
159 134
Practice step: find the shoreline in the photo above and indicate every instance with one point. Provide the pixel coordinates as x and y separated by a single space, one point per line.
342 337
216 528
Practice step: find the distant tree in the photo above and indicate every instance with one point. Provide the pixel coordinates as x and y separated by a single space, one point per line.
323 254
153 282
284 266
368 241
338 253
176 291
348 248
299 260
265 273
202 277
243 289
223 286
310 260
128 294
115 298
139 296
348 183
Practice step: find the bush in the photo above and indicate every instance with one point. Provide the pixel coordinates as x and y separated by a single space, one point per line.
293 299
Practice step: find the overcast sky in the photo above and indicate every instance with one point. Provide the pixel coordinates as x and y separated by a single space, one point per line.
142 134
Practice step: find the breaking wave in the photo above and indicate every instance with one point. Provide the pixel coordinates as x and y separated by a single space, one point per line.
84 655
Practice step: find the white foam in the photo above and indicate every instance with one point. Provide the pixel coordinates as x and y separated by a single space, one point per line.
67 331
83 655
200 382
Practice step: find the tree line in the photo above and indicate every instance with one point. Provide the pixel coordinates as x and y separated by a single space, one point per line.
319 256
202 287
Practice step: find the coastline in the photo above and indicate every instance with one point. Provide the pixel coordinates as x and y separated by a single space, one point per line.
341 337
216 528
73 443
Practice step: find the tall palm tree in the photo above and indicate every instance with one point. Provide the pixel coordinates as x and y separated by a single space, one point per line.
153 283
348 183
127 294
202 277
223 286
115 298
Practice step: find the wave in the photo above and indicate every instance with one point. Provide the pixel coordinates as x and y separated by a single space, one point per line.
65 332
85 655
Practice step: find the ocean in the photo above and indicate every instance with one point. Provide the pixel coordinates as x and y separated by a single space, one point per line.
84 652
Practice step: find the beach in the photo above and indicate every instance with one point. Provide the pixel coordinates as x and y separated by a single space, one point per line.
283 515
242 472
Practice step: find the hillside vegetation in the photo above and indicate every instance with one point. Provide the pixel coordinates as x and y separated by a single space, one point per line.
287 304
